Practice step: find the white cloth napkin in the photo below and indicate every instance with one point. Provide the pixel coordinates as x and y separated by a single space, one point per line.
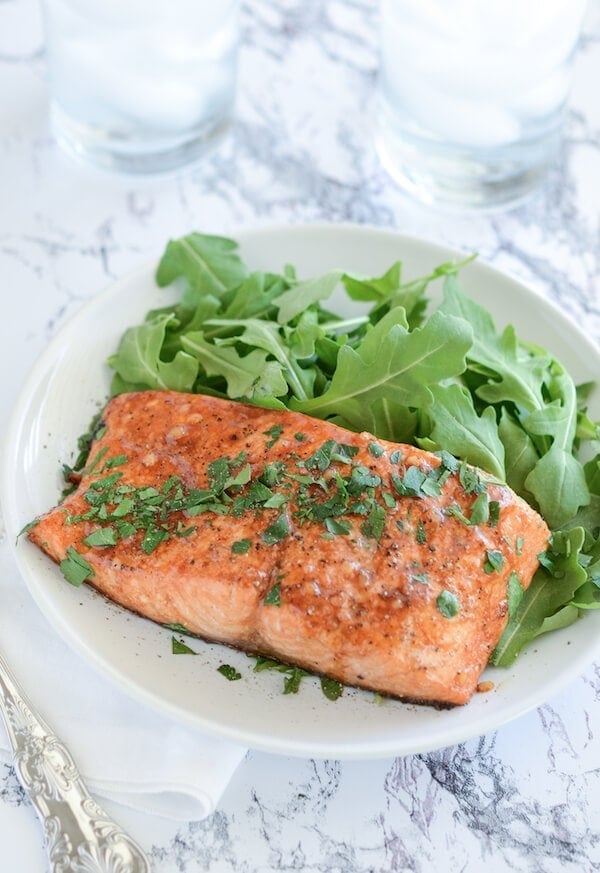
126 752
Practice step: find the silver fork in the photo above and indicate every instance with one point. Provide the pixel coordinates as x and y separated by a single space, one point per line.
80 836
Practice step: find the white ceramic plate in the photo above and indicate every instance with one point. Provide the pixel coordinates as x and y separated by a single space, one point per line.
70 382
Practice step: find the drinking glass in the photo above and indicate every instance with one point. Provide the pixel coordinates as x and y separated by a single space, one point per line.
141 86
472 95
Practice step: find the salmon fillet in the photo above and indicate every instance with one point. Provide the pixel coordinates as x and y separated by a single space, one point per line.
377 564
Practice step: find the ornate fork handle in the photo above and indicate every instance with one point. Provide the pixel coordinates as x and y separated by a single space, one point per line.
80 836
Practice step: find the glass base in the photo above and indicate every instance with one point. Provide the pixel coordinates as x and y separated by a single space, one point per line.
152 155
464 180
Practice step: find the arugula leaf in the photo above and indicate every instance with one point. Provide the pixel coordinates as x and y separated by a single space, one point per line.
410 295
249 375
557 481
302 295
550 591
403 369
254 297
511 376
373 289
520 453
138 360
558 484
459 430
546 404
265 335
208 263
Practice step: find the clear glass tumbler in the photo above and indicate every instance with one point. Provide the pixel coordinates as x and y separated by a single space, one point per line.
141 86
472 95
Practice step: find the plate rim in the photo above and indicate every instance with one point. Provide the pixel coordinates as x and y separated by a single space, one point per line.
352 750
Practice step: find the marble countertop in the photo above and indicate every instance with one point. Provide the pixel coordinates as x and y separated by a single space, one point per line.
524 798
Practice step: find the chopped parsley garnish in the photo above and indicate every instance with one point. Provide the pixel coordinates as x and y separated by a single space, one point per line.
272 474
178 647
455 511
117 461
419 483
327 453
276 501
273 432
153 537
182 531
470 479
331 688
276 531
75 568
494 561
375 522
483 511
448 603
293 675
321 459
175 626
336 527
480 510
261 663
291 683
410 484
273 596
360 479
514 593
26 527
448 461
103 536
301 437
218 474
519 546
328 488
494 513
229 672
91 467
421 534
96 431
242 477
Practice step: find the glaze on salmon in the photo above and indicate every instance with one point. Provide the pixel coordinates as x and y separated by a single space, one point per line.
380 565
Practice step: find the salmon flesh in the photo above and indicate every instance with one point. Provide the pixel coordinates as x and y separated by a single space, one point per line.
374 563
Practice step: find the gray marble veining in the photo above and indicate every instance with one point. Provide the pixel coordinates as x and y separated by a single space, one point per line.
524 798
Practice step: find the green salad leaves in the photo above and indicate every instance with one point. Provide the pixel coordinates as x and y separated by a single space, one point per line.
445 380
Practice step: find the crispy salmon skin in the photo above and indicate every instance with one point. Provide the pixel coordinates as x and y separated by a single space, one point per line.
378 564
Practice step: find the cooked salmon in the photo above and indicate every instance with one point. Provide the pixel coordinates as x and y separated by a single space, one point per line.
377 564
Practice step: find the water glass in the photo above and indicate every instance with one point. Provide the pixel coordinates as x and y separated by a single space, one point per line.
472 95
141 87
